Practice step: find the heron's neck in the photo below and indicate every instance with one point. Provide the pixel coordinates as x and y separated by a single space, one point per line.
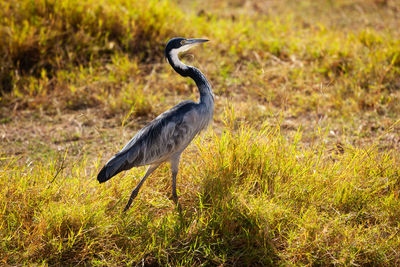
206 94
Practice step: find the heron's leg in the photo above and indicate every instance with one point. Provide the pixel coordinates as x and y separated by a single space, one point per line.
174 170
137 188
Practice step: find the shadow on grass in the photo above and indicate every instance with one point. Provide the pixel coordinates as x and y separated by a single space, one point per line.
216 230
236 234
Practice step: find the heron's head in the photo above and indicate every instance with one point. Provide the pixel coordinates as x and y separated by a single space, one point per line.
178 45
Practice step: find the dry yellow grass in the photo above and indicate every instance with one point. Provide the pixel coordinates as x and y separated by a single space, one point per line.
301 165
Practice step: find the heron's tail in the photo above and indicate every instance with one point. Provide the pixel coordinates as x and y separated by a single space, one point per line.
114 166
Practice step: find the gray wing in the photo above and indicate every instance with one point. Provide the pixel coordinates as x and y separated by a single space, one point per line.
166 135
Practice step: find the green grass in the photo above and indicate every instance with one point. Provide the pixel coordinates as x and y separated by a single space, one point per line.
300 167
262 199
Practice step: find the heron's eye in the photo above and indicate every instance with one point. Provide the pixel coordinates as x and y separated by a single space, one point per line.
183 42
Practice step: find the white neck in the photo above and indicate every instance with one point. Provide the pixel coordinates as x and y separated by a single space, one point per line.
206 95
175 59
175 52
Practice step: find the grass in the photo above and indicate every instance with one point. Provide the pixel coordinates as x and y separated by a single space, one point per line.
300 167
263 199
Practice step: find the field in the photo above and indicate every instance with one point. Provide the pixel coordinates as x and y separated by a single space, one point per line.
301 165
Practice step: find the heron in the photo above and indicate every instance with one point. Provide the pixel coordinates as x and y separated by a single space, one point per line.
166 137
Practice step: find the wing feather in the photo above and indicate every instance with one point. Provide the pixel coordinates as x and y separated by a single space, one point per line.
166 135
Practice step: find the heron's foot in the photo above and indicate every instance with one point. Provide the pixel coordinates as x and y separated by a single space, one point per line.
176 201
127 206
175 198
178 205
132 197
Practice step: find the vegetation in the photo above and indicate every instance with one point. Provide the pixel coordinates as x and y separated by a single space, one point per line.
301 165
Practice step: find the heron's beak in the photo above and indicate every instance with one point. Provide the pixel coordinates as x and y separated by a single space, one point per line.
195 41
189 43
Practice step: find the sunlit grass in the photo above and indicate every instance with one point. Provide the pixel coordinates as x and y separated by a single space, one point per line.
249 197
301 166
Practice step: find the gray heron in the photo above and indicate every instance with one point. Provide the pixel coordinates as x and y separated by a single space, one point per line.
165 138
